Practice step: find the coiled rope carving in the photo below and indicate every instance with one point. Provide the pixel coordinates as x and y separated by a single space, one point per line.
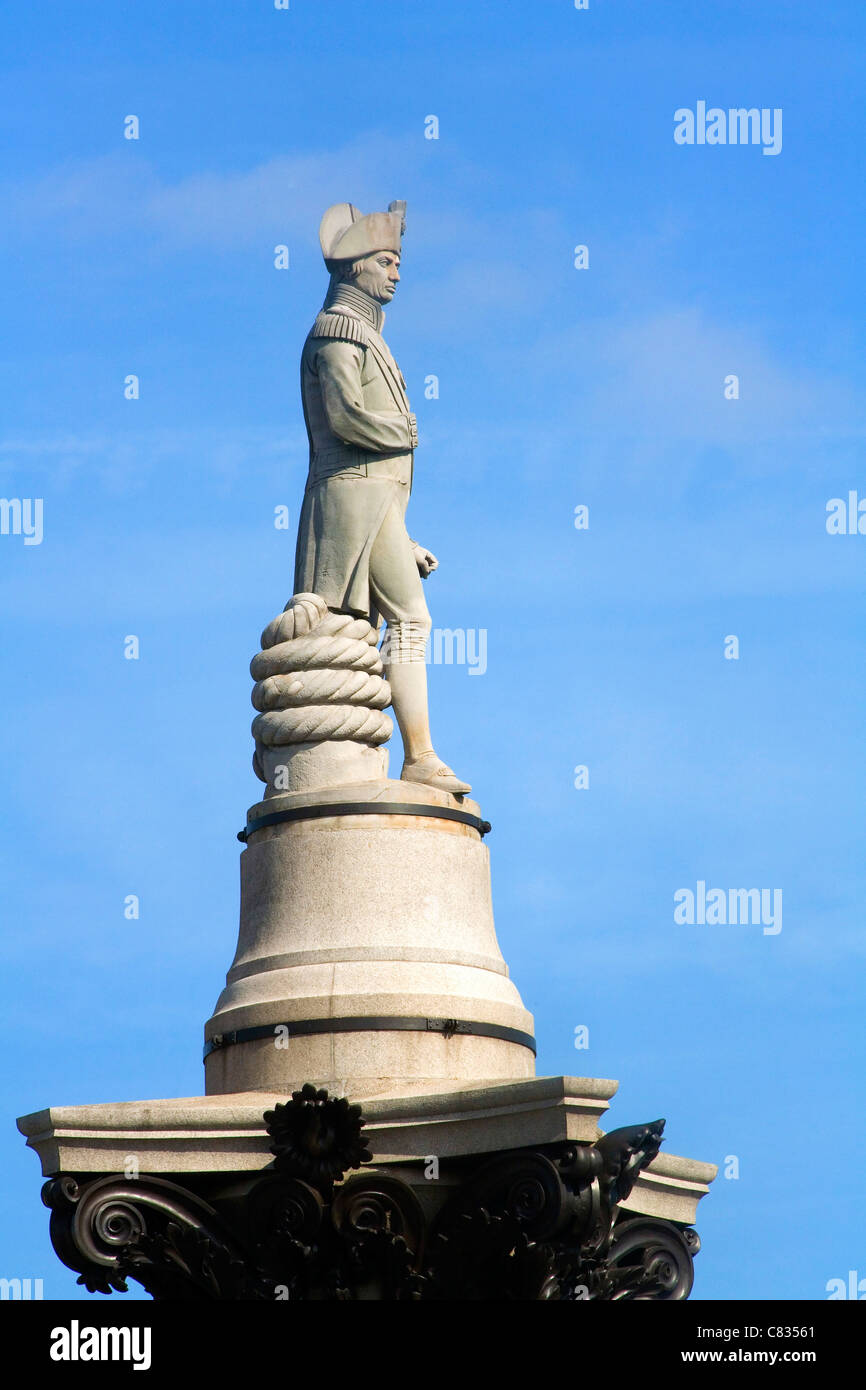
318 677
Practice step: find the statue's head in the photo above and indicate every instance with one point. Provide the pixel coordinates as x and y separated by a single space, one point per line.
364 250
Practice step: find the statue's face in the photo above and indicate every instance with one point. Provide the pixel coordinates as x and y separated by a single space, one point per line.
378 275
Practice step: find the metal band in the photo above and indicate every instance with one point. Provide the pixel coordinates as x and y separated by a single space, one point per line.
363 808
302 1028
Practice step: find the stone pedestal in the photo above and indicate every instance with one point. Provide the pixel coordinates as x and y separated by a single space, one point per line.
367 955
311 767
368 970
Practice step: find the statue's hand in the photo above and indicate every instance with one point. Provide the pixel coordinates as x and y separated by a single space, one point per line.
425 560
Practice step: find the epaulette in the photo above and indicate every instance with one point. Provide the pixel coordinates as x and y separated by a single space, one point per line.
345 326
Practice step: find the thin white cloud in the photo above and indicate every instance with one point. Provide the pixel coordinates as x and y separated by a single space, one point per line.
92 199
122 462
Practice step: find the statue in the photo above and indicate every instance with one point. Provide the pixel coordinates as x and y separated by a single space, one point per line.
367 966
353 549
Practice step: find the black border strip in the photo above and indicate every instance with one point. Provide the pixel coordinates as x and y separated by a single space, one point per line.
363 808
373 1024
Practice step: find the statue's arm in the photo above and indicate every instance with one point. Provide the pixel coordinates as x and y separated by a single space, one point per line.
338 365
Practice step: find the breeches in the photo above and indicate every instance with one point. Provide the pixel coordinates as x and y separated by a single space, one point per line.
396 590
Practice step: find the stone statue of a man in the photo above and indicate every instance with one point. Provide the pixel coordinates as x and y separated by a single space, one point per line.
353 547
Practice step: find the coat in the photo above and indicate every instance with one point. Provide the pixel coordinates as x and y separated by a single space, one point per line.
362 438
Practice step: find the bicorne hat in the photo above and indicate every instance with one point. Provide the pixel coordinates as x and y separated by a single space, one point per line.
346 234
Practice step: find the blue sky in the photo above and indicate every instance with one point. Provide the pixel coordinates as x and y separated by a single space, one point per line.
558 387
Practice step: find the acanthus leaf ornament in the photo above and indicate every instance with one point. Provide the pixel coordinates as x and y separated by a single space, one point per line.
316 1136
